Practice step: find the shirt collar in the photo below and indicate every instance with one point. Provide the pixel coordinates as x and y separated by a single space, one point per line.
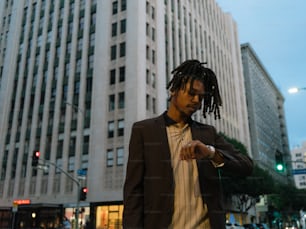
169 121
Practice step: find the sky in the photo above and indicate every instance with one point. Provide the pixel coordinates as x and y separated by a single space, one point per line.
276 30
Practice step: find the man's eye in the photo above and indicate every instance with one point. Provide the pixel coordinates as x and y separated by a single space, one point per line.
201 97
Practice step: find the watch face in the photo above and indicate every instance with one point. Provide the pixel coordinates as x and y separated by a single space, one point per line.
211 148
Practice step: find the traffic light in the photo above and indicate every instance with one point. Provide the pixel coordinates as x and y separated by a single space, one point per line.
35 158
83 193
279 163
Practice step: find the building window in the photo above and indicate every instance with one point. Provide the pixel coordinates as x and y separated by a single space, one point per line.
80 44
153 34
154 105
120 156
148 52
93 20
148 76
147 7
121 100
115 7
112 77
70 28
110 215
4 165
147 29
121 127
71 8
78 66
72 145
110 158
82 4
81 23
71 164
123 5
111 127
92 40
153 56
86 145
122 74
147 102
91 61
153 13
153 80
113 52
122 49
111 103
114 29
59 164
84 162
123 26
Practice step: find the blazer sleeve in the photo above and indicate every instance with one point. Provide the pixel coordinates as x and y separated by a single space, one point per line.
235 162
133 191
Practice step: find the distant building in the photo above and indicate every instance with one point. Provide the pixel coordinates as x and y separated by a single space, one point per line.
75 75
268 131
298 155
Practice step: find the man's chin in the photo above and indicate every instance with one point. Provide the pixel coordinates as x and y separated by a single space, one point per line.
189 112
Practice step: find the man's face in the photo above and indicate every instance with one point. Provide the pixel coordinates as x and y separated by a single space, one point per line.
189 100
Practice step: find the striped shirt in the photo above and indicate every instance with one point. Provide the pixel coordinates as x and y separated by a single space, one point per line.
189 210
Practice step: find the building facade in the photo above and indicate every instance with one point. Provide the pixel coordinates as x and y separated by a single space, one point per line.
76 74
267 121
298 155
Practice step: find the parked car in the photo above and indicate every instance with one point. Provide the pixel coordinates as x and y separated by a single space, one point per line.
233 226
250 226
262 226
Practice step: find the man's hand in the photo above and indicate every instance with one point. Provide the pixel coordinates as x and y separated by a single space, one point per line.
196 150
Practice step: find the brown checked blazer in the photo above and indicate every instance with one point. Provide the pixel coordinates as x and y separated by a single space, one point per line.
149 185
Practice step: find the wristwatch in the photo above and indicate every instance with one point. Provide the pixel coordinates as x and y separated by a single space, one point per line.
213 150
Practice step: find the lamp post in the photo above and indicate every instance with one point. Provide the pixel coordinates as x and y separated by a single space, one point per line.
295 89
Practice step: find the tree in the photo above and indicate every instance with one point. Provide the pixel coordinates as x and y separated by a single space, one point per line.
259 183
284 200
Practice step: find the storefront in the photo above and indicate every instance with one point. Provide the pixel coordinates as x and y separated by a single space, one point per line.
104 215
38 216
107 215
83 219
6 217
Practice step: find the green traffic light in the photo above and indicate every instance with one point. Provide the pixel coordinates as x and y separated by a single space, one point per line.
279 167
279 162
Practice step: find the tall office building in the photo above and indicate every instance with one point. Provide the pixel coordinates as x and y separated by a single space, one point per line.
75 75
267 121
298 155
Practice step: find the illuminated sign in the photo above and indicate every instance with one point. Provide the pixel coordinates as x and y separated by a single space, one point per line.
24 201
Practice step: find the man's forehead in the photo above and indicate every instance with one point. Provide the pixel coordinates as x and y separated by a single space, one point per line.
195 85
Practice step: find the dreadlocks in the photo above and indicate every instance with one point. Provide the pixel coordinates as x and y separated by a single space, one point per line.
194 70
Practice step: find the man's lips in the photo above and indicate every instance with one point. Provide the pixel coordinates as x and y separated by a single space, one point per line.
194 107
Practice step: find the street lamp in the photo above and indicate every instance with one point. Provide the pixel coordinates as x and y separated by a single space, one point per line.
295 89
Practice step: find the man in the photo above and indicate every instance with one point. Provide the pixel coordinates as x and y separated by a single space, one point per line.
172 178
66 223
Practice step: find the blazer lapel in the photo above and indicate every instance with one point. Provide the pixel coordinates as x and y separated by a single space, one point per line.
161 136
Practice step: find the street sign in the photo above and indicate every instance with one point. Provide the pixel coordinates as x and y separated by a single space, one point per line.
298 171
82 172
15 207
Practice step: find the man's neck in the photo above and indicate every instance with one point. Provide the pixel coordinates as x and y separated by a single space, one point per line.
181 121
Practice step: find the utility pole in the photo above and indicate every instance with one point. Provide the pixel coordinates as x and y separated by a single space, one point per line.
44 166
